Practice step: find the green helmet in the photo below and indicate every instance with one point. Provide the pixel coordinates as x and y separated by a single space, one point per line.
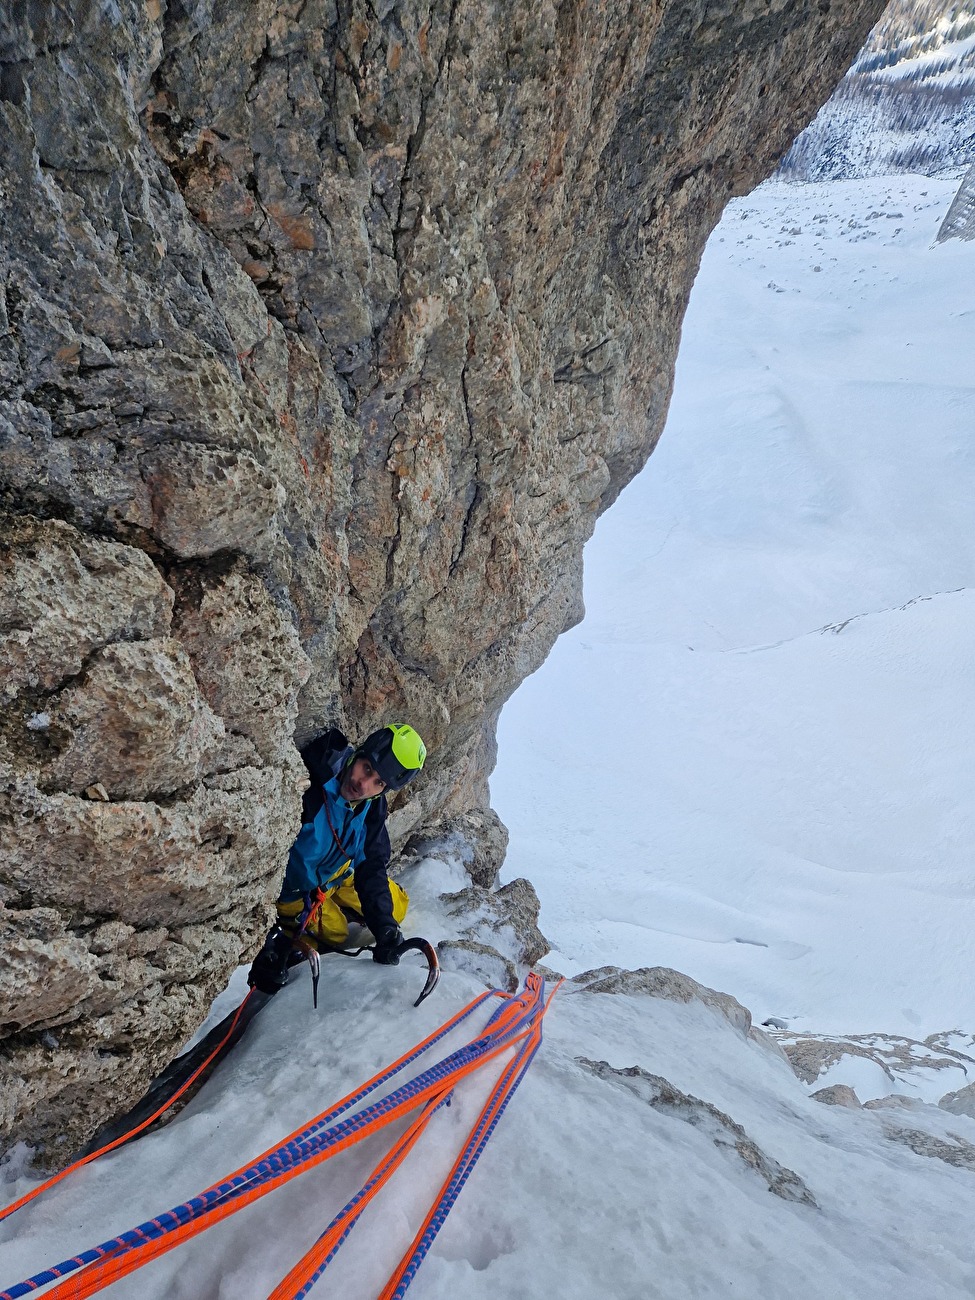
396 752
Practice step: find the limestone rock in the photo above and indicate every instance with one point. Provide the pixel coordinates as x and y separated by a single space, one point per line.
377 311
45 972
176 874
961 1102
181 825
59 1085
900 1058
148 864
661 982
246 656
955 1150
721 1128
896 1101
206 500
768 1044
64 596
481 960
506 918
587 977
838 1094
478 839
136 723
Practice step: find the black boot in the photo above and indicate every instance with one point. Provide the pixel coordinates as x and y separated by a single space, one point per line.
269 972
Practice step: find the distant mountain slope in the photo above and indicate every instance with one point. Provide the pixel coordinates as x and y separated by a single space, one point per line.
907 103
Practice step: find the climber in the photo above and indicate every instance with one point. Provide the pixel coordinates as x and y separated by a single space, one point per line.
337 864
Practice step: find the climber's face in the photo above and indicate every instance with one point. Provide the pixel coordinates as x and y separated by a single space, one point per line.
361 781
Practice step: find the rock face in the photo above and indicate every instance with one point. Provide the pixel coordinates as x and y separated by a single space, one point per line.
662 982
498 937
959 222
957 1151
326 332
478 839
838 1094
146 798
961 1102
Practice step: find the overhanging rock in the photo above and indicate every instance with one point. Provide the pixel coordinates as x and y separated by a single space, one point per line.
325 336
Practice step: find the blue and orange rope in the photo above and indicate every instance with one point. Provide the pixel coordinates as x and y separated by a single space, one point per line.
514 1024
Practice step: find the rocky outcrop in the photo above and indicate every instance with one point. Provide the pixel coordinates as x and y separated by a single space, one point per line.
477 839
961 1102
713 1123
325 335
662 982
838 1094
953 1150
497 938
149 783
482 960
895 1101
507 916
946 1146
901 1059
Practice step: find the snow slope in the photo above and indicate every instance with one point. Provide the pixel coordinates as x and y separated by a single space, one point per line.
753 760
585 1190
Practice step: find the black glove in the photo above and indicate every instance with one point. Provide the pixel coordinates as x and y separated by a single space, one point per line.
388 940
269 972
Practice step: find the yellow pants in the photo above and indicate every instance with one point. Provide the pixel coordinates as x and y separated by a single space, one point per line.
331 929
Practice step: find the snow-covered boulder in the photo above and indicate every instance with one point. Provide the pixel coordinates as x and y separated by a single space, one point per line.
839 1094
723 1131
506 919
961 1102
661 982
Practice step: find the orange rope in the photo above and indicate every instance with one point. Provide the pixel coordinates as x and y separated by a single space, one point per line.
495 1101
110 1146
322 1248
78 1164
123 1259
303 1271
100 1273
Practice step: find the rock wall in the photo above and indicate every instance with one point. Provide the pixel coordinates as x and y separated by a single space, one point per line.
327 330
959 222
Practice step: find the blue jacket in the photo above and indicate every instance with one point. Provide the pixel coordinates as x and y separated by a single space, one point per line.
335 832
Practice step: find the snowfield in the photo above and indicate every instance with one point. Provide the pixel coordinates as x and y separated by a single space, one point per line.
756 752
586 1188
751 762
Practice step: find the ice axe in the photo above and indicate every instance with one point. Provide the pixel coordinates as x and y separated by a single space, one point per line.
433 965
423 946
